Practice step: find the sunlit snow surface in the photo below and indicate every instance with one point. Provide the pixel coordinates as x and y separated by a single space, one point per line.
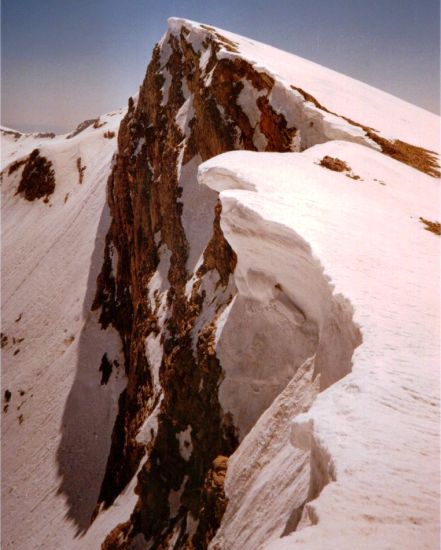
54 455
379 424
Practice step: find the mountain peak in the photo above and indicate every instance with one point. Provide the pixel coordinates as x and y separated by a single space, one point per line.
220 318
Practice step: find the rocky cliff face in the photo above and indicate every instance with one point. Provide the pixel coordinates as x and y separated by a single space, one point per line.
166 281
168 286
180 119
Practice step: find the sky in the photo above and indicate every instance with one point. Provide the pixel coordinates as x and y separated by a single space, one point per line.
64 61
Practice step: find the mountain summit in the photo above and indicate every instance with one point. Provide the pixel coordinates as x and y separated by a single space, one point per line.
219 324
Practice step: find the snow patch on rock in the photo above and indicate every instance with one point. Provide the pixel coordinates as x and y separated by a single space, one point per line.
185 443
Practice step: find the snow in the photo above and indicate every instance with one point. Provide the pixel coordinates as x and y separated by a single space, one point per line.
147 432
185 443
197 214
379 425
166 86
52 254
268 493
157 292
215 295
154 352
106 520
159 282
139 147
340 94
247 100
185 115
205 58
174 498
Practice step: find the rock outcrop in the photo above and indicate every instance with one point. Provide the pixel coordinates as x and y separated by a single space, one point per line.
167 280
37 179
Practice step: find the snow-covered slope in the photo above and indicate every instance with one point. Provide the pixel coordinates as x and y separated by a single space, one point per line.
375 434
57 418
177 359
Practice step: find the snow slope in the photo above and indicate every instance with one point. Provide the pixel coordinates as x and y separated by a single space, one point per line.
54 438
375 433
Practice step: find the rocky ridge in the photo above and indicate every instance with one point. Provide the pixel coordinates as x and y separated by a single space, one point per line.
164 288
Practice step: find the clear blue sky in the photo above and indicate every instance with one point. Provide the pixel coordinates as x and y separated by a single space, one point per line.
67 60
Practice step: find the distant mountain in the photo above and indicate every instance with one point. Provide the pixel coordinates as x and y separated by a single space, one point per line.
221 313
